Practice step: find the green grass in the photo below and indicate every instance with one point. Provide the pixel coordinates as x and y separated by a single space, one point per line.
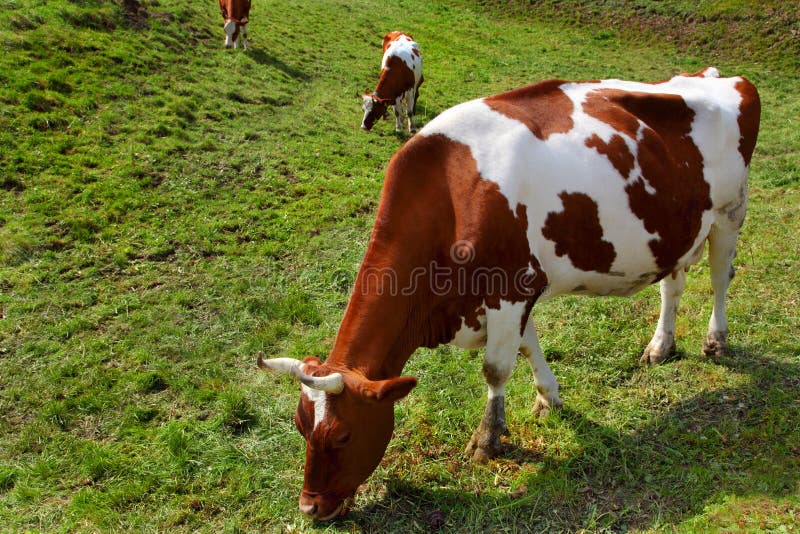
763 31
169 207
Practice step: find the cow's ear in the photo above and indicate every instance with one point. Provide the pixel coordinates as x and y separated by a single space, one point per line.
312 362
382 390
392 389
395 389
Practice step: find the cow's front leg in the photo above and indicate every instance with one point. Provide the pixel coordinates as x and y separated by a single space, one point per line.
502 343
663 342
546 384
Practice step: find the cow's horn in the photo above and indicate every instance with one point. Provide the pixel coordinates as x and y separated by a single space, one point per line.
332 383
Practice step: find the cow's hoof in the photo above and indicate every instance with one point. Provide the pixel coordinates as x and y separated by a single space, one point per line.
715 345
482 447
657 353
543 406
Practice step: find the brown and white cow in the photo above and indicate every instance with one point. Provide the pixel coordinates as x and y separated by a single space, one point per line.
594 188
398 86
236 14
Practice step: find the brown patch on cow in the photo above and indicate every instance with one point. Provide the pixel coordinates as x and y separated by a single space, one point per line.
396 78
749 118
493 376
671 165
235 10
616 150
544 108
576 232
599 105
681 196
436 180
471 320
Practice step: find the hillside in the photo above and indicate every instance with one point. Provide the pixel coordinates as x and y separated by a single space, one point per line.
169 207
767 32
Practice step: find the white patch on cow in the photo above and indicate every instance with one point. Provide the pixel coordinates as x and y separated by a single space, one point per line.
366 103
468 338
320 401
532 172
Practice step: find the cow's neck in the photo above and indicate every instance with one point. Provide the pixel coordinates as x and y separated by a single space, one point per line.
381 327
413 232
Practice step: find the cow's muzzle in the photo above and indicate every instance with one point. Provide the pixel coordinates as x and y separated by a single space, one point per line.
322 509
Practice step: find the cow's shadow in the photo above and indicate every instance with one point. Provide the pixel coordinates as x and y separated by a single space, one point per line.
736 441
263 58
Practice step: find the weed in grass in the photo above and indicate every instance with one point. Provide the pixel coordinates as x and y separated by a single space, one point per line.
236 413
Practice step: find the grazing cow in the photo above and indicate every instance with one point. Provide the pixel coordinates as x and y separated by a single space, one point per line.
594 188
398 86
236 14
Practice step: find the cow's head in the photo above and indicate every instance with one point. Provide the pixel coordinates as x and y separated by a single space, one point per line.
374 108
347 421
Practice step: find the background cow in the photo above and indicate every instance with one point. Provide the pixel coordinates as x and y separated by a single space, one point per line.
398 86
236 14
597 188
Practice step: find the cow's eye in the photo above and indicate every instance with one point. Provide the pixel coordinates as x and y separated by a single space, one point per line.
342 440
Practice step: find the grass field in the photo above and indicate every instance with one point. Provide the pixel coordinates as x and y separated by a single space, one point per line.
169 207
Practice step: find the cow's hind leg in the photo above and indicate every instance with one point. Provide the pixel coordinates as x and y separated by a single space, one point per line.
411 106
663 342
503 339
546 384
399 114
721 251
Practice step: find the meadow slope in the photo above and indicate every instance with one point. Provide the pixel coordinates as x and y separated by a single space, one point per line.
169 207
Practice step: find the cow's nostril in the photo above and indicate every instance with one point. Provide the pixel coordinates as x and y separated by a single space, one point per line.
308 507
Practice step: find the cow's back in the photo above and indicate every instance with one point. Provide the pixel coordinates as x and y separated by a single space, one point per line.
619 182
402 53
236 10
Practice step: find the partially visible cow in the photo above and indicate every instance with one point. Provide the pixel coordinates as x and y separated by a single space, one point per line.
236 14
398 86
594 188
